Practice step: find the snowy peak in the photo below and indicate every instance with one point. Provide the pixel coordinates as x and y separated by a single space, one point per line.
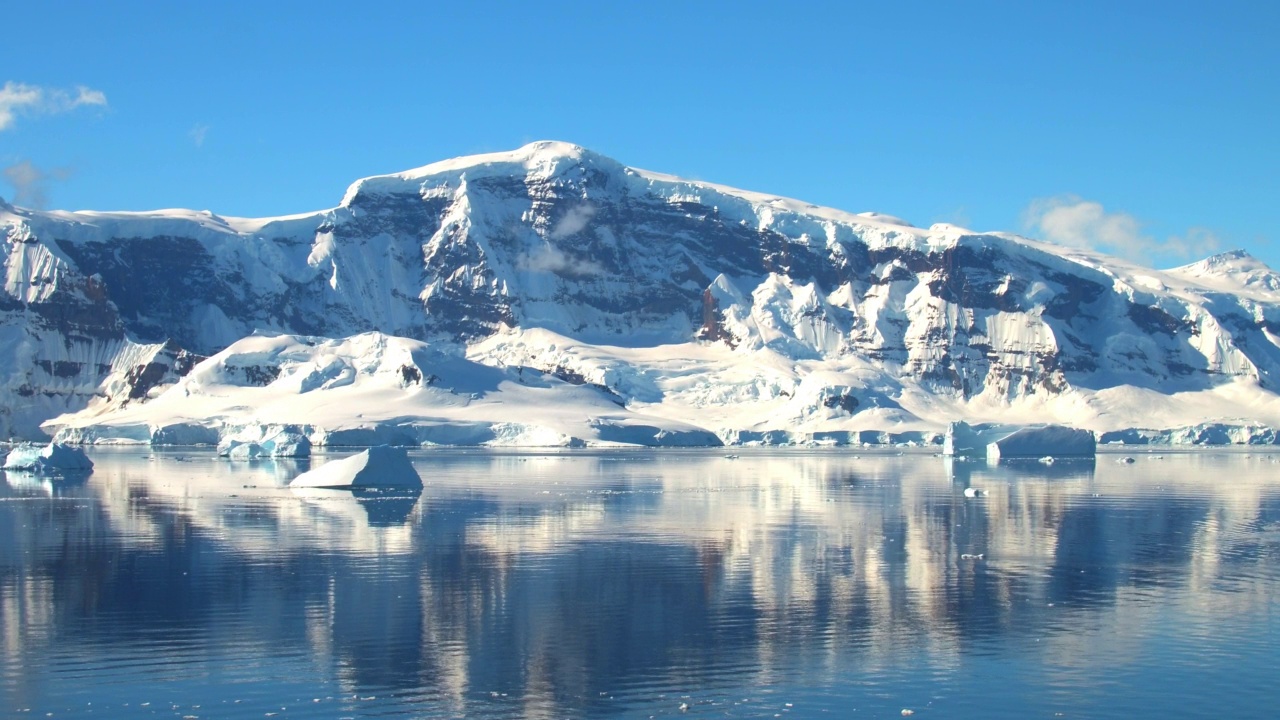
1227 263
540 160
552 161
1235 271
1230 259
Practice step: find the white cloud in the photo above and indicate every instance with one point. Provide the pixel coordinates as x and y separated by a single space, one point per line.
22 99
573 221
89 96
1195 242
198 134
548 258
31 184
1075 222
13 98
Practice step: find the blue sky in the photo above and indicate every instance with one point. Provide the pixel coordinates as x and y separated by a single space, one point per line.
1149 129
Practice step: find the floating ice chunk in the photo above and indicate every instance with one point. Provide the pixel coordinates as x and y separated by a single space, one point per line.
51 459
1022 441
378 467
962 439
1040 440
265 442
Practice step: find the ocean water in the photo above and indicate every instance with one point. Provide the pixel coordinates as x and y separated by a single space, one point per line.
638 584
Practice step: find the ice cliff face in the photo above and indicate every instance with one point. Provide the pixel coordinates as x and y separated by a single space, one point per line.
916 324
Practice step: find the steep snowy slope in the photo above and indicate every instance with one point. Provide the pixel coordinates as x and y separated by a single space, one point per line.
372 389
747 315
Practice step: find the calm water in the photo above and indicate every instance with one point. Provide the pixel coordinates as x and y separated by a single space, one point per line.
638 584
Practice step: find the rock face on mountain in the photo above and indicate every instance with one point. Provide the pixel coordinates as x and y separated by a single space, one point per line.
558 259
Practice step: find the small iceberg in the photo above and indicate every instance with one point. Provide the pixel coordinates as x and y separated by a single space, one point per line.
270 442
382 466
54 459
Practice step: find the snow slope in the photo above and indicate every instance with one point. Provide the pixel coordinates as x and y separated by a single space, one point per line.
372 389
560 297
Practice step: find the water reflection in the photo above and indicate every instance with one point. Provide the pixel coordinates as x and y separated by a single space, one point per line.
617 583
30 484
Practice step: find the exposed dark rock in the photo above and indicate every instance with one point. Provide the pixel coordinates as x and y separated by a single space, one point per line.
410 375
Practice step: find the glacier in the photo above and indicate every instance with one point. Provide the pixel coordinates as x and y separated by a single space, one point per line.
551 296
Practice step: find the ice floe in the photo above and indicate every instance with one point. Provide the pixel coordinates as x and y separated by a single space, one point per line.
51 459
381 466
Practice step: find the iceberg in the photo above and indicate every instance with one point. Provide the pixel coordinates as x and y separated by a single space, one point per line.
266 442
381 466
1018 441
965 439
51 459
1041 441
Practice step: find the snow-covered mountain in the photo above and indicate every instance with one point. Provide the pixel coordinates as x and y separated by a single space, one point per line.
559 297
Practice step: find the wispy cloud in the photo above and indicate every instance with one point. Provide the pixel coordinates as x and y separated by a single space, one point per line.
548 258
18 99
574 221
958 217
1075 222
198 134
31 183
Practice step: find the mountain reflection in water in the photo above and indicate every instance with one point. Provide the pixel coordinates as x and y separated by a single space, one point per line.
632 583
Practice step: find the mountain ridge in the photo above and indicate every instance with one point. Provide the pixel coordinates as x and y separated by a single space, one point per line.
885 326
